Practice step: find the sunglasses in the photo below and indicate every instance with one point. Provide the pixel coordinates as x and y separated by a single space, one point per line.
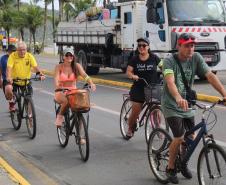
187 36
142 45
68 55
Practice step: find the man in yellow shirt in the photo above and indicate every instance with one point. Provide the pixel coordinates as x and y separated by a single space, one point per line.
19 65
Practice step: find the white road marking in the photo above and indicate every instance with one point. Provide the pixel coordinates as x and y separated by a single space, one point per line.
221 143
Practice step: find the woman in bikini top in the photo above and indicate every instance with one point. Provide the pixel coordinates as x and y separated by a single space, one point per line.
65 77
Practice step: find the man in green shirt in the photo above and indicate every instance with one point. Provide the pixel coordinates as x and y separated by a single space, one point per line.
174 103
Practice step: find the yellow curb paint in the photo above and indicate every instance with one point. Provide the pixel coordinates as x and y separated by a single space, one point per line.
204 97
200 97
13 172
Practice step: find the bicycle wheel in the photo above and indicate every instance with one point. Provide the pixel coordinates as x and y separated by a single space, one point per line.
124 116
82 137
15 115
30 117
155 119
158 153
214 157
63 132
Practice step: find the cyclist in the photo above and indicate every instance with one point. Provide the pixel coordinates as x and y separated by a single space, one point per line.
3 66
144 65
174 103
19 65
66 75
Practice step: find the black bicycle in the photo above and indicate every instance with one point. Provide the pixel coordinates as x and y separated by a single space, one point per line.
211 166
74 124
24 106
151 115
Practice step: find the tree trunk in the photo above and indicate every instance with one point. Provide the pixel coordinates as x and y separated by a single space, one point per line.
60 10
44 29
8 31
33 34
53 20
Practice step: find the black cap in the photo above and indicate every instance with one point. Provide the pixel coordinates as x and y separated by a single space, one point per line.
145 39
11 47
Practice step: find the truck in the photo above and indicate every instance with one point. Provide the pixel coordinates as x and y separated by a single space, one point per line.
112 42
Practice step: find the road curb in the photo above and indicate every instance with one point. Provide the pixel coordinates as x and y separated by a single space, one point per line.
19 178
200 96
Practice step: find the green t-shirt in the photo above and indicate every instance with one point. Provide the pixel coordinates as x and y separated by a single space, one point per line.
194 66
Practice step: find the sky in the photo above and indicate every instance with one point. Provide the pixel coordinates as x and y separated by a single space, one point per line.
41 3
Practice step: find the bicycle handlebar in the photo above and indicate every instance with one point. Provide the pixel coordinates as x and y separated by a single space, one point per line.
85 86
147 84
27 79
205 106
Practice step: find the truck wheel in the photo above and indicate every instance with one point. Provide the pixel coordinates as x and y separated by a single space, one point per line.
92 70
82 59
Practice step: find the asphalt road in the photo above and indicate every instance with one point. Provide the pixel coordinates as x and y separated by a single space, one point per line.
112 160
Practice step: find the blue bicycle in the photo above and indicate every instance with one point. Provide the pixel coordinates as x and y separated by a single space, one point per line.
211 166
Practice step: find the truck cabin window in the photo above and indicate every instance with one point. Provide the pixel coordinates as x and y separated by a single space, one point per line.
127 17
212 11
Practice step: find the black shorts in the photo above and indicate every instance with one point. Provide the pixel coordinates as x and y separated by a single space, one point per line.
137 94
30 89
179 125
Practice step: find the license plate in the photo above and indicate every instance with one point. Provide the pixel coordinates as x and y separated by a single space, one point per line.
208 59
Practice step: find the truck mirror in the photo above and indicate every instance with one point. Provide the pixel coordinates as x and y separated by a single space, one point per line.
151 15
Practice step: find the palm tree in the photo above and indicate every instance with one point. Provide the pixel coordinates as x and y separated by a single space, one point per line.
47 2
7 21
34 19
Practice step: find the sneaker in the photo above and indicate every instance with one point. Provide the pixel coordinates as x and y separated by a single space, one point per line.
186 172
59 120
172 176
12 106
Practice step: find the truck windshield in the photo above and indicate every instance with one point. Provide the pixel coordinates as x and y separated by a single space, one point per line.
196 12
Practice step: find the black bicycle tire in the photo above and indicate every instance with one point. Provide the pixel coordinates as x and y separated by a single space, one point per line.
154 107
66 118
151 152
210 146
85 156
34 127
18 104
123 133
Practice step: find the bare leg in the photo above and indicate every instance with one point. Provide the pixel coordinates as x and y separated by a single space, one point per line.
136 109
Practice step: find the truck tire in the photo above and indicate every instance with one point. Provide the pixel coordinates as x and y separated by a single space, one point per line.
92 70
82 59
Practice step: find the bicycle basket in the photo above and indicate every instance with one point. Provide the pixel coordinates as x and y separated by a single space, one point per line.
78 100
153 93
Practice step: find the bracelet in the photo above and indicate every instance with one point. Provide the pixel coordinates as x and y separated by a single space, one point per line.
87 78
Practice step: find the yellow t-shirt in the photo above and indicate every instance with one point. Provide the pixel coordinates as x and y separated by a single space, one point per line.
21 67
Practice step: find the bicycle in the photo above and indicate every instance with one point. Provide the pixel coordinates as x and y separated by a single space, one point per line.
74 124
211 156
151 115
24 104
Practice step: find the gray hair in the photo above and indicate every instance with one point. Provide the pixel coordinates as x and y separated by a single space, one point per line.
21 44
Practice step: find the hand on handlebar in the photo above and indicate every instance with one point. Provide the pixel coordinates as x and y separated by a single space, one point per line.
10 80
182 103
93 87
135 77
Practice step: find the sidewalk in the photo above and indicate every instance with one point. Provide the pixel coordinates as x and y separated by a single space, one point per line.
5 178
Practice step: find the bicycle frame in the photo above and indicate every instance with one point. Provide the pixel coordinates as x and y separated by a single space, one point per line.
22 92
192 144
145 106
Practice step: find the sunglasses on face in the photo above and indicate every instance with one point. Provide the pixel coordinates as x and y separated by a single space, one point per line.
68 55
187 37
142 45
